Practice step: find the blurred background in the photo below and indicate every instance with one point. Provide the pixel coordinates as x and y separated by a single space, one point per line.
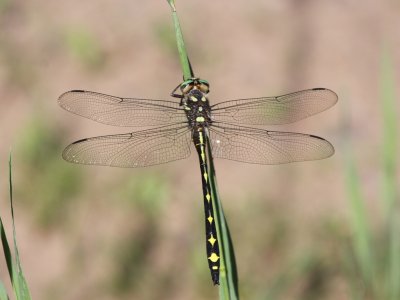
106 233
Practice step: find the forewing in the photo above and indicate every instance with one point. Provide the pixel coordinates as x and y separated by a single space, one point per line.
265 147
118 111
141 149
274 110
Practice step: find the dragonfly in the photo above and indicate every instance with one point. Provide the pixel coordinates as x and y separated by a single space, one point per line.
169 129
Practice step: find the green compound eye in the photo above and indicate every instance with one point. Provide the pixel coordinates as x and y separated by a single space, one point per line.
189 84
203 85
186 86
202 81
186 83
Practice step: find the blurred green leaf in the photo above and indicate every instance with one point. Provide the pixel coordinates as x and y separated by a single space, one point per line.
14 265
85 47
4 4
3 292
389 132
147 192
390 194
51 192
19 70
19 282
165 37
39 143
377 256
361 232
307 269
132 257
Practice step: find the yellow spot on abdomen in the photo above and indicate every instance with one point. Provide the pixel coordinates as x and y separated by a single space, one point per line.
210 219
213 257
215 267
205 176
208 197
193 98
212 240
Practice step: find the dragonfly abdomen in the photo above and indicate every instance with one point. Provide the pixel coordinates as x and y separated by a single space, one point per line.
211 232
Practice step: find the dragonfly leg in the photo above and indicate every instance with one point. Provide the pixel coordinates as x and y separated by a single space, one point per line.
173 94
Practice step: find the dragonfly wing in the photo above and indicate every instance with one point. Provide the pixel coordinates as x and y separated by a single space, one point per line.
265 147
118 111
274 110
130 150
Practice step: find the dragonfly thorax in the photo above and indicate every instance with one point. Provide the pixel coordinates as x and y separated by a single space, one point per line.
197 108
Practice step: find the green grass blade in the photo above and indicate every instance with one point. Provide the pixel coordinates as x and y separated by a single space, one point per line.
228 271
6 249
184 58
361 234
228 276
3 292
394 258
389 133
353 282
389 191
19 283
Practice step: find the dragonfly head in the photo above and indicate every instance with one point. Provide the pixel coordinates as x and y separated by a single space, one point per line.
193 84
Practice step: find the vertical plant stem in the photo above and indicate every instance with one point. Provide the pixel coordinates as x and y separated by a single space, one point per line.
13 264
19 283
228 274
184 58
389 133
361 237
389 176
3 292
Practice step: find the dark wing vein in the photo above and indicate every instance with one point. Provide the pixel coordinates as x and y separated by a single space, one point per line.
118 111
260 146
130 150
274 110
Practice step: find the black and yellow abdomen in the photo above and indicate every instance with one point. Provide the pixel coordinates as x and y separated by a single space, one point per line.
213 255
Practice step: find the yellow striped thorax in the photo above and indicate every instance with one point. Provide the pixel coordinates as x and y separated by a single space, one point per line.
197 108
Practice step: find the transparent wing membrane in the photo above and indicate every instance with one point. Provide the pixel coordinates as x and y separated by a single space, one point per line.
172 140
122 111
136 149
274 110
258 146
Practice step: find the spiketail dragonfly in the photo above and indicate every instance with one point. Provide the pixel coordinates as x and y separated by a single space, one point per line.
192 120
